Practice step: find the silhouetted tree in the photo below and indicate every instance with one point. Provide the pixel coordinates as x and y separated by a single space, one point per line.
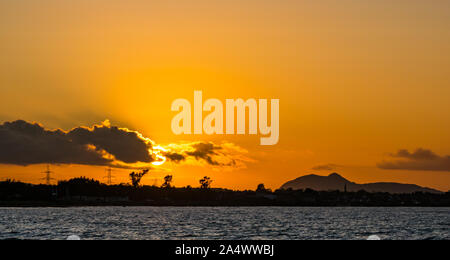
167 181
136 177
261 188
81 181
205 183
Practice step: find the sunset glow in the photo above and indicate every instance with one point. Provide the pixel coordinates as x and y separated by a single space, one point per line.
363 89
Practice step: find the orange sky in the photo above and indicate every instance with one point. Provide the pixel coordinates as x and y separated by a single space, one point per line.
357 79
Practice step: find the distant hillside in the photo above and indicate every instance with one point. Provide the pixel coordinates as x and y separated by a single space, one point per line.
336 182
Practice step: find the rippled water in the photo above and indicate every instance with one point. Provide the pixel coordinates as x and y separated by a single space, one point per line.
224 223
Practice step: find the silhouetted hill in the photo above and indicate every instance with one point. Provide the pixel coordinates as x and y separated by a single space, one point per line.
336 182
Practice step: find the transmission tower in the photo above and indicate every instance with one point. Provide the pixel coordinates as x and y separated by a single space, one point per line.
47 177
109 176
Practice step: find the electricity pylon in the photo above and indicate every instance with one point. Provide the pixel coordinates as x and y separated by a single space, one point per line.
47 177
109 176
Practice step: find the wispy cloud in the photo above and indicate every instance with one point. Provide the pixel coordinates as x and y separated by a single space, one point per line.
326 167
224 155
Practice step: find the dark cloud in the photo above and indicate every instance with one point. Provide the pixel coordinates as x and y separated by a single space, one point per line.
23 143
205 151
419 160
225 155
174 157
325 167
419 154
126 146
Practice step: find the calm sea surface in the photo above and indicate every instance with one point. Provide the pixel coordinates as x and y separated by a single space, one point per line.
224 223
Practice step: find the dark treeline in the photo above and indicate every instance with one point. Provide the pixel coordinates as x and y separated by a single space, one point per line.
84 192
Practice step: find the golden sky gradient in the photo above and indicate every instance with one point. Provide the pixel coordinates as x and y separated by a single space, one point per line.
357 79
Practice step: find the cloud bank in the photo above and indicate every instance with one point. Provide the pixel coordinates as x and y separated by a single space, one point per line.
23 143
419 160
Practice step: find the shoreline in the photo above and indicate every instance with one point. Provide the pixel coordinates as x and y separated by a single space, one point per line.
86 192
137 204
